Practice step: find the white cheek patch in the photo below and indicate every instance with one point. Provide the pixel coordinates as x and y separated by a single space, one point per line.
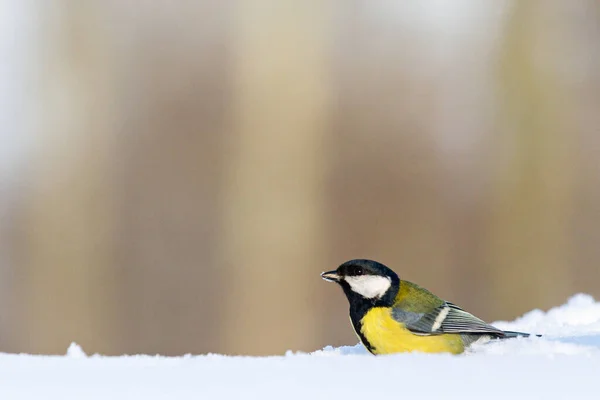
369 286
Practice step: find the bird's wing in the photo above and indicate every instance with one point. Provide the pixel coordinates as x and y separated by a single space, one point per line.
446 318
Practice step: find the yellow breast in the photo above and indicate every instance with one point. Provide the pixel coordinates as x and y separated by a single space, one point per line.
386 335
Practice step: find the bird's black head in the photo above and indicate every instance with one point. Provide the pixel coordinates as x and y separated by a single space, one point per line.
365 282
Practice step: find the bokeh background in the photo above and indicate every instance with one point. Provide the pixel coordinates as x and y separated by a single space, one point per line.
175 175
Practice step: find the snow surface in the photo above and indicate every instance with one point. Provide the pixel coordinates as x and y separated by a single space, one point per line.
564 364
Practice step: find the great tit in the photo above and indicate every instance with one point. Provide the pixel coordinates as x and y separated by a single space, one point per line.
390 315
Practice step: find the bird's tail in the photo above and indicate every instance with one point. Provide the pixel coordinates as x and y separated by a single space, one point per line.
511 334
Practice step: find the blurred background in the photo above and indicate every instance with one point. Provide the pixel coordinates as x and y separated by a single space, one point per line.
175 176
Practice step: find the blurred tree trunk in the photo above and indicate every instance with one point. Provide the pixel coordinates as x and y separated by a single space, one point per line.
530 216
176 81
15 135
67 236
273 223
581 57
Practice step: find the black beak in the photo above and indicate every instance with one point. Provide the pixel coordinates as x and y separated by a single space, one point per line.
331 276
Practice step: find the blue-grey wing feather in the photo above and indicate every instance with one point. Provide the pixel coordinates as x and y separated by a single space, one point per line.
447 318
406 317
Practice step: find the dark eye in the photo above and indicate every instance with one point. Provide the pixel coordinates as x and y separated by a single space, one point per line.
358 271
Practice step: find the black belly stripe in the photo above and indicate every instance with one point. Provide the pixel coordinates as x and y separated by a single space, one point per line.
357 312
363 339
359 306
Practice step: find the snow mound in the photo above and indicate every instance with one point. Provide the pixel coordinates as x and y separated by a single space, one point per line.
563 364
75 351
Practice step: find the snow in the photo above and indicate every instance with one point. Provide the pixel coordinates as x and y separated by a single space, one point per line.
564 364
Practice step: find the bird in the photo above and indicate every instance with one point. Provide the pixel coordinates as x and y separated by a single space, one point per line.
390 315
